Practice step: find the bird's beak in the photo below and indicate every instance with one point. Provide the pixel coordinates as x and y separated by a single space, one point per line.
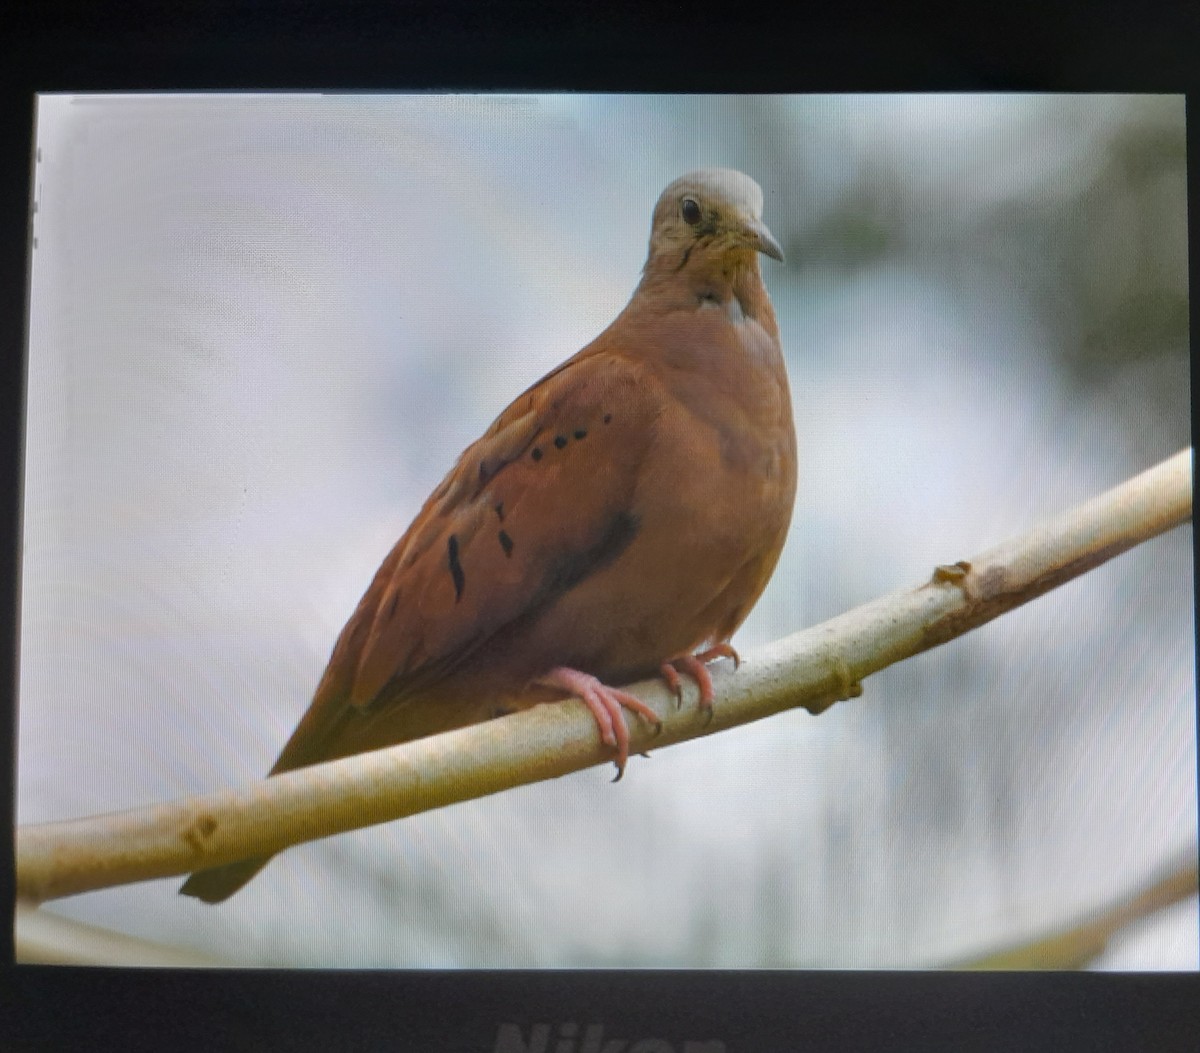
763 240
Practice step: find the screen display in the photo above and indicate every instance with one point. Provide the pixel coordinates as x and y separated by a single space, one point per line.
262 328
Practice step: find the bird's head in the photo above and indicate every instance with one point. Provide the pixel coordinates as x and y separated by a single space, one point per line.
716 211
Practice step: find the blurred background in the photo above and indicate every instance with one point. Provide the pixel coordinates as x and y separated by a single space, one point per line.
261 330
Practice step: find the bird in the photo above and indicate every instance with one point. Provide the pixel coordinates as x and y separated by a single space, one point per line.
618 520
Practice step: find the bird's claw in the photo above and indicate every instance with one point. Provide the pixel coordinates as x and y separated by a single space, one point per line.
606 704
671 675
721 650
695 666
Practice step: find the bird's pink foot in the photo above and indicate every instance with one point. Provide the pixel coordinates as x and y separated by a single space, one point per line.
694 665
605 703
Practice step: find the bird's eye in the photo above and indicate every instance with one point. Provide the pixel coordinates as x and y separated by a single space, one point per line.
690 211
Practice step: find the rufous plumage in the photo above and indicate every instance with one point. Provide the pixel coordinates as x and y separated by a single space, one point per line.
619 519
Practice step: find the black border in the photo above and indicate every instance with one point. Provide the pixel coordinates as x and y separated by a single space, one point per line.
356 45
766 1012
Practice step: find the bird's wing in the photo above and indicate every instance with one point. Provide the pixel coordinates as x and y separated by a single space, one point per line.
531 509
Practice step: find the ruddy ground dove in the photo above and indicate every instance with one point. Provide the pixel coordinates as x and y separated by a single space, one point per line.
621 515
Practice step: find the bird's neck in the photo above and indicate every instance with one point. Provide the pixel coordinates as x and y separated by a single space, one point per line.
699 280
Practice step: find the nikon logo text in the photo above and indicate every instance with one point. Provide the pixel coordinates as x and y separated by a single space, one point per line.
570 1038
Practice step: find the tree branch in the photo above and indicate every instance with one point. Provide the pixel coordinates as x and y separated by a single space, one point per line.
811 669
1075 946
42 938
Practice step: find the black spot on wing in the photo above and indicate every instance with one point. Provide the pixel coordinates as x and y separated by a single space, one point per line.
560 441
568 572
622 529
456 571
506 543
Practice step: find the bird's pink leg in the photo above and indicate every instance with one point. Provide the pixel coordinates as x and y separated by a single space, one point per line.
605 703
695 667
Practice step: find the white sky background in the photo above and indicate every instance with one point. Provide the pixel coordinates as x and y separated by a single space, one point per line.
263 328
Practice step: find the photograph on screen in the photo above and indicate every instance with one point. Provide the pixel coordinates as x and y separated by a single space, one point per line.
830 349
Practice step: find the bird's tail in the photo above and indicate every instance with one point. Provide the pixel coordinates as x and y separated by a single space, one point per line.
217 884
330 729
317 737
